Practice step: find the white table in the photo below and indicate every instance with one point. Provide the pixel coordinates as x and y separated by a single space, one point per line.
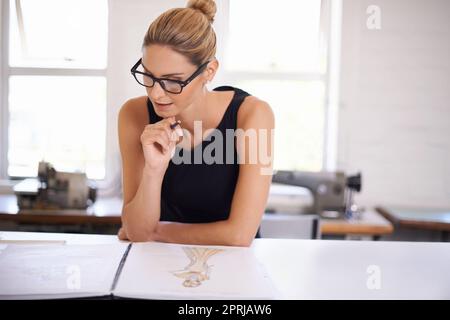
332 269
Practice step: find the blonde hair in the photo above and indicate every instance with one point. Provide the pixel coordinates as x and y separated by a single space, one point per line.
188 31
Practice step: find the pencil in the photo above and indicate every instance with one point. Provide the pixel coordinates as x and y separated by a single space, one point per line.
173 125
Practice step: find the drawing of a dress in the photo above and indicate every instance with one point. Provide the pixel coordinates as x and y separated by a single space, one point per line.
198 269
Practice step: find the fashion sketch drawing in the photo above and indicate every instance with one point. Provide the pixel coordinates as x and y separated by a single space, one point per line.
198 269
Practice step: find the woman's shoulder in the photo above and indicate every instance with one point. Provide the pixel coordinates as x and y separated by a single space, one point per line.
135 110
251 107
253 112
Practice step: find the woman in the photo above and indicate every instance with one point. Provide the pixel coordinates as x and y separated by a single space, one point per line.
191 202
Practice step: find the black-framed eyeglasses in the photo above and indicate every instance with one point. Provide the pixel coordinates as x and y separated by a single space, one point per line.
169 85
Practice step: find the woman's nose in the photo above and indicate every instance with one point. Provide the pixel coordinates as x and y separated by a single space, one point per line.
156 92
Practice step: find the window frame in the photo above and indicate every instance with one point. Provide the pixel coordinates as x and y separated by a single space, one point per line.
330 26
6 71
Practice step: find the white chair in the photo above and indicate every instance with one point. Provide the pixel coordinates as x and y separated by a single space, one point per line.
289 226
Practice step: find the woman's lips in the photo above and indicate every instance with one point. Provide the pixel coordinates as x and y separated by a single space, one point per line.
163 105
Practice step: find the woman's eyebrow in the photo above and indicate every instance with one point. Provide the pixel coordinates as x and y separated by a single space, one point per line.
164 75
172 75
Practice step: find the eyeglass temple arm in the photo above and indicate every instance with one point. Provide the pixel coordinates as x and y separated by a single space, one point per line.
136 65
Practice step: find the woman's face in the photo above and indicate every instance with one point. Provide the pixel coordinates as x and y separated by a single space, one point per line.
163 62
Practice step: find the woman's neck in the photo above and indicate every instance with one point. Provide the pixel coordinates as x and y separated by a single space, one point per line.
198 111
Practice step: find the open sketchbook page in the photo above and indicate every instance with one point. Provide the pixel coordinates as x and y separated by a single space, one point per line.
58 271
171 271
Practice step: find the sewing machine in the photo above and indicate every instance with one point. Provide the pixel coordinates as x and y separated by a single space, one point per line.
332 192
55 190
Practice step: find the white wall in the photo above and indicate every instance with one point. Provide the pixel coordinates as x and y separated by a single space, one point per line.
394 121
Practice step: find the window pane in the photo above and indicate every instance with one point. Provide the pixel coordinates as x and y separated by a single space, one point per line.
58 119
59 33
299 121
283 36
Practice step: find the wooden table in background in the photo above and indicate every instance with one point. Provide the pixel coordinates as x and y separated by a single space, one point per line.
107 211
371 223
428 219
104 211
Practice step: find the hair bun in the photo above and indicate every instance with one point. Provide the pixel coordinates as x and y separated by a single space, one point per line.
207 7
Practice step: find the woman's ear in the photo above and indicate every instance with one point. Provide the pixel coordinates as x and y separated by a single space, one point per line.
211 70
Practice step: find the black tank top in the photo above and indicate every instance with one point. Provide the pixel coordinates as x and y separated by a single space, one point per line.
201 192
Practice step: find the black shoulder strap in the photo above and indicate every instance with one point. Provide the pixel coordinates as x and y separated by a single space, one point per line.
153 117
238 98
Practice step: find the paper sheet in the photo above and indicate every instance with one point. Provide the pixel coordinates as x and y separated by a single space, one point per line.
170 271
39 271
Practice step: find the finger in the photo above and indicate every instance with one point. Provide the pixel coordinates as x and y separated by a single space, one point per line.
176 134
166 131
166 122
171 122
163 134
158 144
172 134
169 119
160 138
122 234
162 142
172 145
172 148
164 125
175 124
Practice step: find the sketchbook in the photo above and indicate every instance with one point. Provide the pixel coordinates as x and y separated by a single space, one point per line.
149 270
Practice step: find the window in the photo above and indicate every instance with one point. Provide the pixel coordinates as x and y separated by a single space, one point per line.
277 53
55 86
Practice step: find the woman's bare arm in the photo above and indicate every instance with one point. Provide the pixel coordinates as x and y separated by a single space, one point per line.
250 196
141 187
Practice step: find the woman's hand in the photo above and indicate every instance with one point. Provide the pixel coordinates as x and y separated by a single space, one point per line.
122 235
158 143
